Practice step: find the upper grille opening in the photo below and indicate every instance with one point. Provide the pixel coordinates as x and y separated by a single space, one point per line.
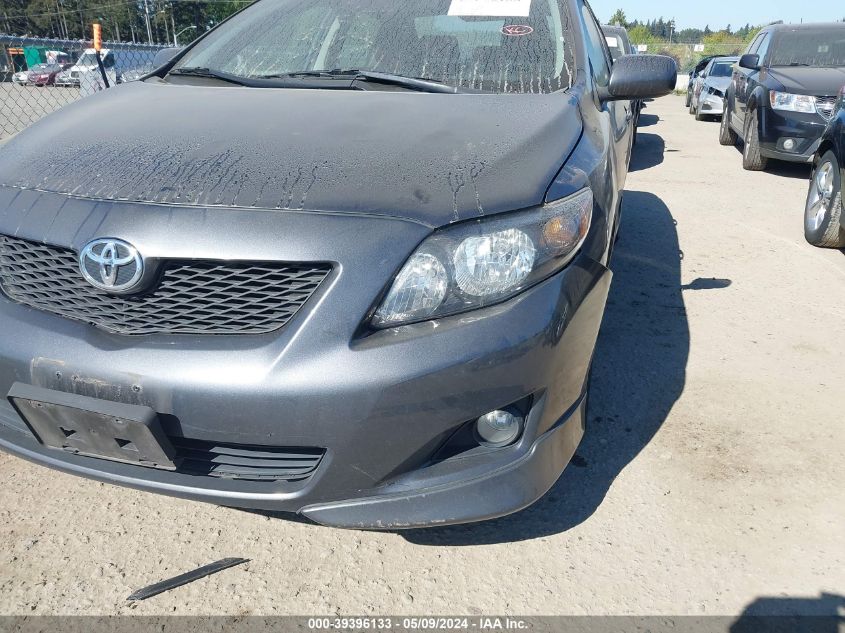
825 106
192 297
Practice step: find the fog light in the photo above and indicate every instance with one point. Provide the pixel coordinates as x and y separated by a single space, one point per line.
498 428
789 145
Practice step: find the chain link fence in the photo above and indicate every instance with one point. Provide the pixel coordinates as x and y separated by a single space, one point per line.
689 54
38 75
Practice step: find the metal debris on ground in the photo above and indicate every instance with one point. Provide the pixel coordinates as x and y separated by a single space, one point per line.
184 579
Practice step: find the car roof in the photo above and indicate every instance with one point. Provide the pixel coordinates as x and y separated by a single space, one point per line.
612 28
813 26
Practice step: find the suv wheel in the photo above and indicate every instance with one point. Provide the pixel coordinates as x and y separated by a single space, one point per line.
727 136
752 159
689 98
823 213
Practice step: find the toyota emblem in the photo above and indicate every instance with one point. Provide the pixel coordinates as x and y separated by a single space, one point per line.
110 264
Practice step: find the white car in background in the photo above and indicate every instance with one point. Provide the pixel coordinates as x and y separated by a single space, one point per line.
21 78
86 73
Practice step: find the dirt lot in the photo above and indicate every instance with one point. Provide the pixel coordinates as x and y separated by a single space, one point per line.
710 480
21 106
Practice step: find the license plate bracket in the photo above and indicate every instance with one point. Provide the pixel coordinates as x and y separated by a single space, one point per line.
92 427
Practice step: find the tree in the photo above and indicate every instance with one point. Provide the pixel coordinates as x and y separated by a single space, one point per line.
722 43
619 19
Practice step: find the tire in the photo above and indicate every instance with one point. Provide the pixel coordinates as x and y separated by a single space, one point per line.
727 136
688 100
823 211
698 115
752 159
691 107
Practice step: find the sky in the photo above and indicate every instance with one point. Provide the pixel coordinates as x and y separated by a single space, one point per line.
718 14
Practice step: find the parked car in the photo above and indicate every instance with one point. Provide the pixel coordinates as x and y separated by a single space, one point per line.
783 92
693 75
21 77
620 44
67 78
708 95
824 217
46 76
86 72
373 301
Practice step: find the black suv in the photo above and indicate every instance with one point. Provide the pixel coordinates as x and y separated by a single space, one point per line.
784 91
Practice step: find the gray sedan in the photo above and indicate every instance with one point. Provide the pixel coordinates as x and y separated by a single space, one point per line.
708 92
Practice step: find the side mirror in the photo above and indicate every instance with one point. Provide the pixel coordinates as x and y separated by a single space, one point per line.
165 55
750 62
641 77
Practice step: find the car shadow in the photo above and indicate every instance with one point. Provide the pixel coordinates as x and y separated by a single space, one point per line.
799 171
639 372
648 152
810 614
647 120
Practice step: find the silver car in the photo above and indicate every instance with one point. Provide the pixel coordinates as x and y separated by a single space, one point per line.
21 77
708 91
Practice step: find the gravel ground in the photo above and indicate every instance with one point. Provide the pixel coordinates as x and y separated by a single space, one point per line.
709 482
21 106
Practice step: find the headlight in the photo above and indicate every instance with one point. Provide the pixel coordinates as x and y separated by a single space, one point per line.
482 262
792 103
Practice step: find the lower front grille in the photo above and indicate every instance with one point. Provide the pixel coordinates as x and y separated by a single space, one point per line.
191 297
825 106
245 462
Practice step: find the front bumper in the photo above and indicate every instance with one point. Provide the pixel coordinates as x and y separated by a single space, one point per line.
805 130
380 405
711 104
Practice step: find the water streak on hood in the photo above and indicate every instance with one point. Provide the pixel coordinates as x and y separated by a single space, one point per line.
431 158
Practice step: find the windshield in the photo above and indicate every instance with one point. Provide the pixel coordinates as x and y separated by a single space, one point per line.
722 69
822 47
462 43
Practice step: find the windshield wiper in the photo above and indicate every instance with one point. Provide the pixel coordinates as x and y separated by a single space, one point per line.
413 83
196 71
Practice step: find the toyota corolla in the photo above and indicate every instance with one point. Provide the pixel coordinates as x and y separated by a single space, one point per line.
342 258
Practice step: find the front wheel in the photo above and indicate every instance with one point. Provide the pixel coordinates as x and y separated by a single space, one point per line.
823 212
752 159
727 136
689 99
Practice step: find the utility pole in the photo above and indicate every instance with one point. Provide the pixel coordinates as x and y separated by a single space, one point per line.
173 24
147 18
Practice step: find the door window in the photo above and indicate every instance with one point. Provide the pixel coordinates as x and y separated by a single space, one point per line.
596 47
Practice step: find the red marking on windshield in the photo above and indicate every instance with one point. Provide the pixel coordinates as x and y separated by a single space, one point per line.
514 30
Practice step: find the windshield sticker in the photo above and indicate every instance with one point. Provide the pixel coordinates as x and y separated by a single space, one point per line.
612 41
515 30
490 8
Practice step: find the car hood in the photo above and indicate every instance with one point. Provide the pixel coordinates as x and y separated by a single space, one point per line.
432 158
820 82
720 83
